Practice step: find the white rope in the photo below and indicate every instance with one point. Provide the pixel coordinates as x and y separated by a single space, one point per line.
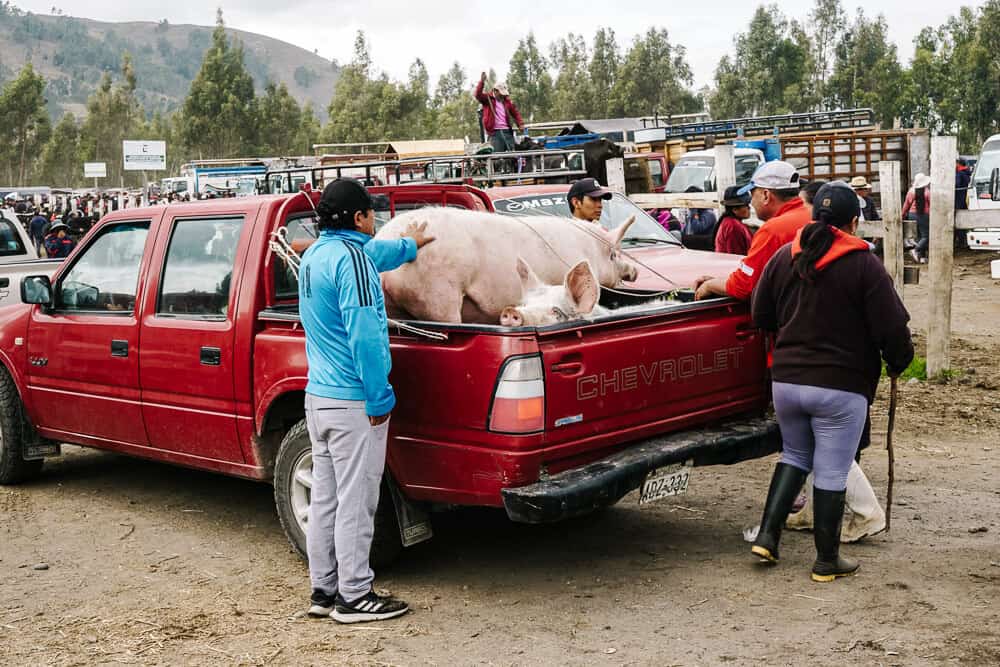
668 293
279 246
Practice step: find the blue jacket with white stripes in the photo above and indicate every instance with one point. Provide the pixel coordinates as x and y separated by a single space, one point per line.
343 313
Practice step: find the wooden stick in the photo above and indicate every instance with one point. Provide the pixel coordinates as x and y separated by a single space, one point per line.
893 395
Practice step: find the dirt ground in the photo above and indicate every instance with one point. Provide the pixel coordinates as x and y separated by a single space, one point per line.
149 564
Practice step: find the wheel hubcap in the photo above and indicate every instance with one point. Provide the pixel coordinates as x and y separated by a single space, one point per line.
301 488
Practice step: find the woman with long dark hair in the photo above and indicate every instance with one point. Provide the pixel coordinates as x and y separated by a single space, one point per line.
837 316
918 201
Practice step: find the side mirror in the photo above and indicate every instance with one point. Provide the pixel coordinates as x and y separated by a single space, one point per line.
995 184
36 290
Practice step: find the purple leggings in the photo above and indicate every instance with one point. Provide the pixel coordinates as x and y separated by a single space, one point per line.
820 430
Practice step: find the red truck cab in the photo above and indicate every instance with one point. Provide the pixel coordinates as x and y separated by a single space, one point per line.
172 333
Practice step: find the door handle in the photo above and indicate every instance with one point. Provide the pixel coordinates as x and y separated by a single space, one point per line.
4 282
567 368
211 356
119 348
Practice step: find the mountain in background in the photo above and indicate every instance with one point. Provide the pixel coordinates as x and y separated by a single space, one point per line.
73 53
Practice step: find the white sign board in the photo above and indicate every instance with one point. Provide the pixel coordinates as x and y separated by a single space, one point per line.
95 170
144 155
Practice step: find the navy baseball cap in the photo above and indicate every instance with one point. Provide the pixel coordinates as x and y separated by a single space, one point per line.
588 187
838 201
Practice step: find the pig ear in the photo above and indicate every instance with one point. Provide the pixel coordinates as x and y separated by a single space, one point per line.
528 278
619 233
582 287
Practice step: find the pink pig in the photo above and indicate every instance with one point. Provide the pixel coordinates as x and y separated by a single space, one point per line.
470 273
543 304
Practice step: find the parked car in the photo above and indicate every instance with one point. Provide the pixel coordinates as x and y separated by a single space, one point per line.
172 333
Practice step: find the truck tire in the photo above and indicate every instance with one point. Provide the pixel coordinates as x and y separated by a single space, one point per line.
13 429
292 477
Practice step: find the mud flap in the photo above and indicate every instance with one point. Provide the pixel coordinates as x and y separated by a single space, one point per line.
414 522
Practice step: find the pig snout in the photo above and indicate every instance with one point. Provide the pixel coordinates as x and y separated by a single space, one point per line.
628 271
511 317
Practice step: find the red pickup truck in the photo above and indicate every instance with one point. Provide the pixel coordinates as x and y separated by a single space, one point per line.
172 333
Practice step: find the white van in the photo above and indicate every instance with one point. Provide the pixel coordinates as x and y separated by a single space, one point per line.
697 168
980 198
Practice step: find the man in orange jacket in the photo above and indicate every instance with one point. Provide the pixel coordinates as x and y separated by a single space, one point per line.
774 194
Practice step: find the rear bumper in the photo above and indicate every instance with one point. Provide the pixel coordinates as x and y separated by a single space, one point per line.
602 483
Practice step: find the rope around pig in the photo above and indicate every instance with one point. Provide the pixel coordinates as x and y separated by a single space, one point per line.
603 240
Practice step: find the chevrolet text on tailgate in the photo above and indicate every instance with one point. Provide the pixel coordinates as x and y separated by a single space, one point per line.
172 333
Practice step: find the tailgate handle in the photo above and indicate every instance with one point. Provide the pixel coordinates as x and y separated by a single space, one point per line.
567 368
745 331
211 356
119 348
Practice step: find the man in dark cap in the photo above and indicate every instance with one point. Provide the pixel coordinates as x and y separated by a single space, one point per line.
58 243
586 199
348 397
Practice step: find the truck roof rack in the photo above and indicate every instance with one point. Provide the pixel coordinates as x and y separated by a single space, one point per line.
857 119
481 170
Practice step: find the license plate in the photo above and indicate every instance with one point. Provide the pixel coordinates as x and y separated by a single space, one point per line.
664 482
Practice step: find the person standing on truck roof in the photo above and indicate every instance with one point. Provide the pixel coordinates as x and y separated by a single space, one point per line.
837 316
348 397
774 193
732 236
500 115
918 200
586 199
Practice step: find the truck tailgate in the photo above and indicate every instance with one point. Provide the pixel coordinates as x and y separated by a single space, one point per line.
676 367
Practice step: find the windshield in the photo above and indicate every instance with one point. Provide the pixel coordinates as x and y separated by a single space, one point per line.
616 211
988 161
696 171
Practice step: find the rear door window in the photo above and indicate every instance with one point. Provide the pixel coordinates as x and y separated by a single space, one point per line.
198 271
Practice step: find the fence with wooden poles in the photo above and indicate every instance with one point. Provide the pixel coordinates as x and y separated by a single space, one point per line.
944 220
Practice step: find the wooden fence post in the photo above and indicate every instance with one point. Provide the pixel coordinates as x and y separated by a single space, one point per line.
725 168
944 152
616 174
892 242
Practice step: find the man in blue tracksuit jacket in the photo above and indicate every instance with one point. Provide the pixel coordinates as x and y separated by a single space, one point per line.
348 397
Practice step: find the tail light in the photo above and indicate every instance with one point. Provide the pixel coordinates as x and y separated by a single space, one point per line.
519 399
985 195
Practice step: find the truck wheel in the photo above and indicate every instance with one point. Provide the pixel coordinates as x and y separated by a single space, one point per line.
13 467
292 493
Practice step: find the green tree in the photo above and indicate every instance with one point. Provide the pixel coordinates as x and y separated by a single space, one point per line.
574 95
529 81
866 70
220 109
278 120
307 133
826 25
605 59
768 73
454 106
654 77
24 123
60 164
113 114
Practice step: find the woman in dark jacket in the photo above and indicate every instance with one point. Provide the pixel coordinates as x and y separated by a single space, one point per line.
837 316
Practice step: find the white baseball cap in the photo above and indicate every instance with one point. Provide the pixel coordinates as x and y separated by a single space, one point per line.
776 175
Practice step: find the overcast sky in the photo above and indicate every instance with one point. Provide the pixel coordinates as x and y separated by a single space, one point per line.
482 34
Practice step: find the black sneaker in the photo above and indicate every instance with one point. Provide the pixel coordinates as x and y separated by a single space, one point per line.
370 607
320 604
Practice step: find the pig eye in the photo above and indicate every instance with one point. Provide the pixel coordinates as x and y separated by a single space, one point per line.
560 315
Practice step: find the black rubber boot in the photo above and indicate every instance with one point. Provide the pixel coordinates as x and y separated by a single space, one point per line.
785 486
828 514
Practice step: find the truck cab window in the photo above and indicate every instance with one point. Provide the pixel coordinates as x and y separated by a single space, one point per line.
10 241
745 167
199 268
105 275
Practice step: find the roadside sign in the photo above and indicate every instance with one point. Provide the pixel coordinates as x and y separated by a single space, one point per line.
95 170
144 155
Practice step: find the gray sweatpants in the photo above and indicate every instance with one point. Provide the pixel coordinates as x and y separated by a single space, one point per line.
348 460
820 430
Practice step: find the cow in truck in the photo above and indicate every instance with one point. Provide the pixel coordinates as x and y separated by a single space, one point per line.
172 333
